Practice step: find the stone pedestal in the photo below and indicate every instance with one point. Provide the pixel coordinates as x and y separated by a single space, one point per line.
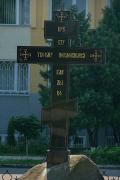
79 167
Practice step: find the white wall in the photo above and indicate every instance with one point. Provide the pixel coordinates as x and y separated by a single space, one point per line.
10 38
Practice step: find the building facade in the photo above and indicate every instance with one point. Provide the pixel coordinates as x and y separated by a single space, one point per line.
22 23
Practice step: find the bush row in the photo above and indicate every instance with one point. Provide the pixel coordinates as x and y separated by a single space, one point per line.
106 155
33 149
99 155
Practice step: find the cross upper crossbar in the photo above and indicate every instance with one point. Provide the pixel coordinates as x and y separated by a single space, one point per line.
49 55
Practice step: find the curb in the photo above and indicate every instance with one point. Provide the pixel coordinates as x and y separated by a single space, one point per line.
110 167
16 166
22 157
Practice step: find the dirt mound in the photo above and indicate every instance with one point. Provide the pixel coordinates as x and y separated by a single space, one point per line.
79 167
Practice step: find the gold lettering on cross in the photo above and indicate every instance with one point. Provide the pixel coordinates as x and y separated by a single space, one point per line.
25 54
59 93
60 72
61 42
96 56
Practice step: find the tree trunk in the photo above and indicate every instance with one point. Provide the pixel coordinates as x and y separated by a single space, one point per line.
26 146
115 134
92 133
95 136
119 138
89 136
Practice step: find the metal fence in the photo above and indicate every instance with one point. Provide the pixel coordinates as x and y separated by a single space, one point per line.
106 177
8 176
111 178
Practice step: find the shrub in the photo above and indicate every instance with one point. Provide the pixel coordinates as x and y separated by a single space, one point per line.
106 155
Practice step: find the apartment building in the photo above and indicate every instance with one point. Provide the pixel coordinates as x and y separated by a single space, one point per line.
22 23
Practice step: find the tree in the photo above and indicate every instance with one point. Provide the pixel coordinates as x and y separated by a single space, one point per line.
27 126
98 88
86 83
108 36
93 111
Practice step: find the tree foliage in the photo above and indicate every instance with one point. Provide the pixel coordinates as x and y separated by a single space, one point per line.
98 88
108 36
27 126
86 84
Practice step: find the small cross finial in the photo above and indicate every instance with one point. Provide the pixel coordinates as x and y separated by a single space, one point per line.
25 54
62 15
96 56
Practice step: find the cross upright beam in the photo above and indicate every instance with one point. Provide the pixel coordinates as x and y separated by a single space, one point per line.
59 128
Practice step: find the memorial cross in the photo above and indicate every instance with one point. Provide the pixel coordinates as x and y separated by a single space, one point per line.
60 56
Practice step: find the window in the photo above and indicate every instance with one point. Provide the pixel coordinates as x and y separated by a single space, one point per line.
66 4
108 131
77 141
14 11
110 141
81 5
3 138
13 77
109 2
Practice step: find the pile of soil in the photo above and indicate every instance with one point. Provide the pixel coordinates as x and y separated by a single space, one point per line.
79 167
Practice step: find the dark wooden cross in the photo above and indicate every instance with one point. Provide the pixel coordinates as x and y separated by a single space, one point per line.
59 56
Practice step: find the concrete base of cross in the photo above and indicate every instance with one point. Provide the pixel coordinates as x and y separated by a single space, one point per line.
79 167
